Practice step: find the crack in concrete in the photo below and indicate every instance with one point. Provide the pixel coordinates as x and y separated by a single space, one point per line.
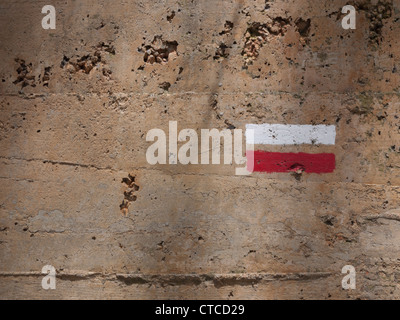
218 280
62 163
389 215
205 93
172 174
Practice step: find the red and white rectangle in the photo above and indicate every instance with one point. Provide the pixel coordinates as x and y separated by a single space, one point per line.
284 135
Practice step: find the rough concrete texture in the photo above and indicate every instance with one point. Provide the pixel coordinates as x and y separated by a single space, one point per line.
77 192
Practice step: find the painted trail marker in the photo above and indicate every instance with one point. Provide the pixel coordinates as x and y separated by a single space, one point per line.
284 135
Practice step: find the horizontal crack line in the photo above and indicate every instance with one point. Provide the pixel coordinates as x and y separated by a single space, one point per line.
62 163
171 173
218 280
194 93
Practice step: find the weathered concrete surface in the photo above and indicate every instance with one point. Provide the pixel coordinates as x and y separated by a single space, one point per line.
77 102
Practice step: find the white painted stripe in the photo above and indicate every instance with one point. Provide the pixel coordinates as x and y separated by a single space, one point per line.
281 134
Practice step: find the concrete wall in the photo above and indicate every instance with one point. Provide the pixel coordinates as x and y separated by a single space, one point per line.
77 192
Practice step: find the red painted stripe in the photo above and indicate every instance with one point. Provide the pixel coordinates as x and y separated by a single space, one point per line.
291 162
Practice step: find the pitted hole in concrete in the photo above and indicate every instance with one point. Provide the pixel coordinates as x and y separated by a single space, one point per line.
129 194
222 52
25 76
160 245
159 51
171 16
92 61
328 220
124 207
256 37
259 34
165 86
297 167
267 5
303 26
46 76
376 12
297 171
228 27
